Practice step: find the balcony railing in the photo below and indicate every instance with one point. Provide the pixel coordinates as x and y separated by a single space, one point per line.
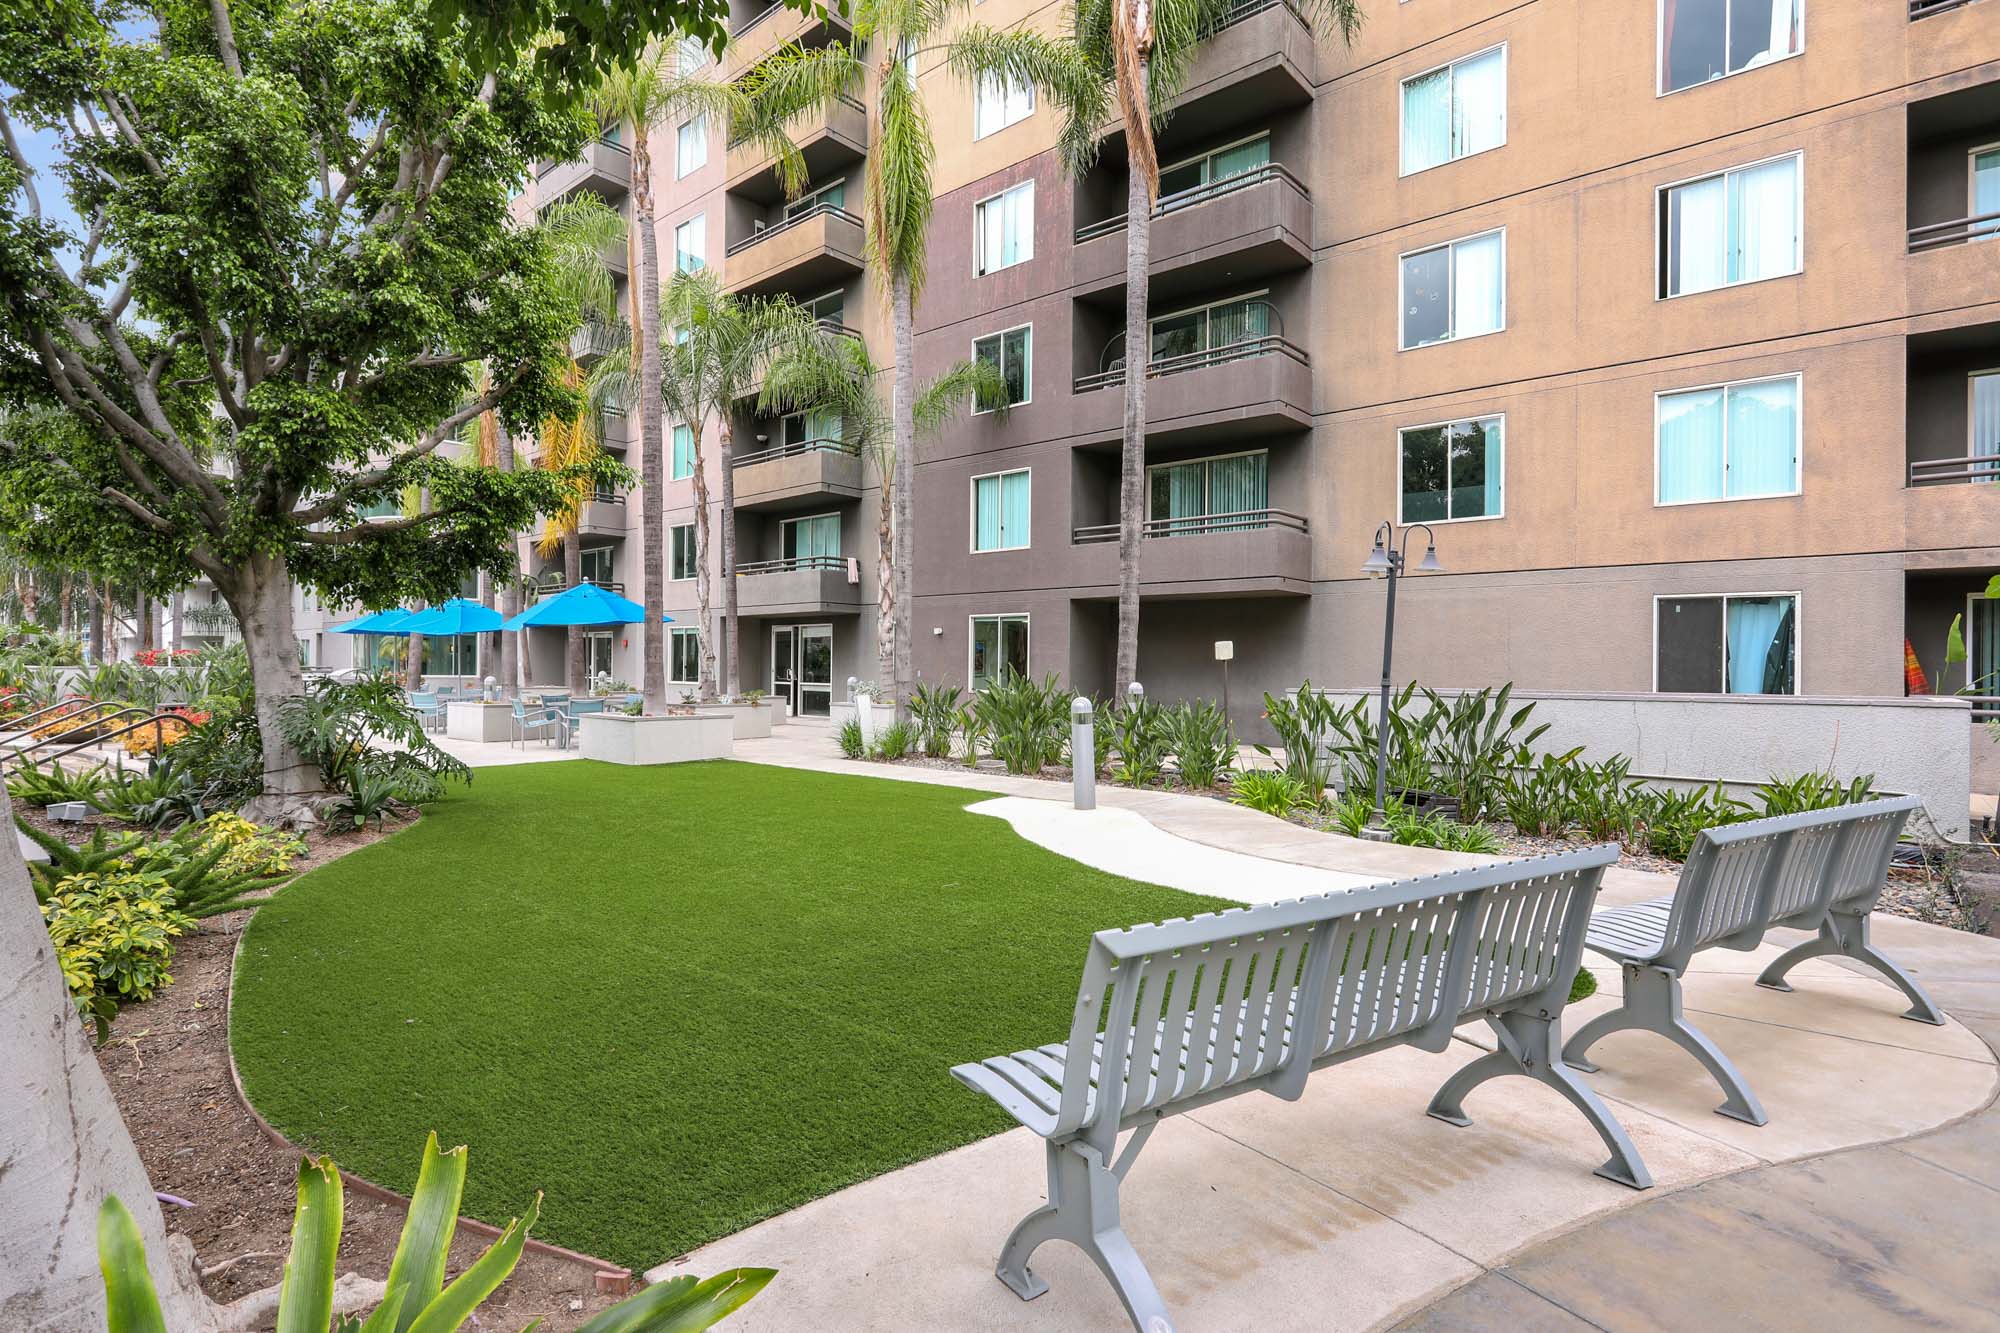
816 114
1942 471
1923 9
1250 8
599 338
825 564
551 585
544 168
1956 232
1272 345
766 233
1985 707
827 445
1199 525
1200 194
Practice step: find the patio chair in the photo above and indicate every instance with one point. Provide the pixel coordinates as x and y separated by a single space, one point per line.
542 720
428 708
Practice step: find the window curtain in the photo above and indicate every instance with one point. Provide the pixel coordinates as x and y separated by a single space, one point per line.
1238 321
986 514
1018 241
1986 189
1754 624
1014 509
1178 492
1763 428
1764 220
683 452
1986 416
1983 648
1479 103
1473 456
1478 286
1427 121
1690 446
1238 486
1699 243
1243 157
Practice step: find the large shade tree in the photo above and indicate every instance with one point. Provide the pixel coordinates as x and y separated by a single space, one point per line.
293 250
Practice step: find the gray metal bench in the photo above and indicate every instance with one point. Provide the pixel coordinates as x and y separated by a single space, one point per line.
1173 1017
1822 871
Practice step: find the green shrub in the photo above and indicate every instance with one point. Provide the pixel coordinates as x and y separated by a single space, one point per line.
1472 740
1535 794
1352 813
51 784
1604 799
1812 791
1583 986
1203 746
1269 791
897 740
1026 721
1138 742
165 795
209 868
113 933
849 736
935 710
971 733
1311 730
1674 818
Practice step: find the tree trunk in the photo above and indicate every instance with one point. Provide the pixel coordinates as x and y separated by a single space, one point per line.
148 614
510 592
903 429
413 664
704 584
1132 456
488 640
179 608
66 606
31 601
726 460
573 641
96 625
259 591
652 469
65 1146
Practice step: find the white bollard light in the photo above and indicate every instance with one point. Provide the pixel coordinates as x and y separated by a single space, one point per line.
1082 754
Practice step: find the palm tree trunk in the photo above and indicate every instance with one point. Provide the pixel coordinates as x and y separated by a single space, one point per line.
510 591
652 470
1132 455
573 645
903 428
66 606
413 665
704 587
725 457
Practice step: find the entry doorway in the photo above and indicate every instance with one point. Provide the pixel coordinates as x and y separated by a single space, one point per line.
802 668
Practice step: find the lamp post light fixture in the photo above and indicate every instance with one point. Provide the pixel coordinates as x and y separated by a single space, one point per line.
1390 559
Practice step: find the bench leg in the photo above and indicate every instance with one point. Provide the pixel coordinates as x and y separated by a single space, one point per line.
1528 1045
1653 1002
1083 1210
1845 935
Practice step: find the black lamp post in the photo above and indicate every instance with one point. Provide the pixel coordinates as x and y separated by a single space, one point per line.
1389 558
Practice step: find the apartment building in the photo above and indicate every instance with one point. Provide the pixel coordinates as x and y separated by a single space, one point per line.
1673 319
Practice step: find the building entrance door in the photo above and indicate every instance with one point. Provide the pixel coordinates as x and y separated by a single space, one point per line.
802 668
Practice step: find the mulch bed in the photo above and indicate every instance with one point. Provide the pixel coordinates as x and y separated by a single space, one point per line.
168 1066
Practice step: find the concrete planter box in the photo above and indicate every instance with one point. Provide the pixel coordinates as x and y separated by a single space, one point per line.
475 720
659 739
750 723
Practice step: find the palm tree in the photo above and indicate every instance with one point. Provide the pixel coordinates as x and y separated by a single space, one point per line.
569 443
837 375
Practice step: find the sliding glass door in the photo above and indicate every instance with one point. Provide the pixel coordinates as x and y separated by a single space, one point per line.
1208 495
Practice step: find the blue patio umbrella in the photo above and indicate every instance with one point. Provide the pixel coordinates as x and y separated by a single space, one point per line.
389 622
585 604
457 616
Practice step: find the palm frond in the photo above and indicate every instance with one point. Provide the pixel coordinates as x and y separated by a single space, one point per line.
962 383
1056 67
793 81
579 230
899 178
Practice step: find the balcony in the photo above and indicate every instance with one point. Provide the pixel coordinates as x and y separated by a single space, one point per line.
814 585
816 249
605 169
783 477
1257 386
548 585
828 139
603 515
1950 211
1263 224
753 38
597 338
616 431
1259 62
1923 9
1254 553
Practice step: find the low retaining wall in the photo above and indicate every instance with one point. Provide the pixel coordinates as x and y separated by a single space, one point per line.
1920 746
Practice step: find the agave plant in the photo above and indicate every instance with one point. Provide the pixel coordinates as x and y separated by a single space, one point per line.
416 1295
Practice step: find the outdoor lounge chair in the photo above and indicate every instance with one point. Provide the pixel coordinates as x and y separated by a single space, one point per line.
428 708
539 719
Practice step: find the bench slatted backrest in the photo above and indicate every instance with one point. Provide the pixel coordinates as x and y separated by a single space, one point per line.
1740 879
1174 1011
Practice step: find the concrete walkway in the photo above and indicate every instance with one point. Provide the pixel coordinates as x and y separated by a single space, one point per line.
1351 1209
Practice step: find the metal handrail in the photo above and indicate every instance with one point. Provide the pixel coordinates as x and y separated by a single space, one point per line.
1972 467
597 337
540 588
1985 707
766 233
605 497
156 721
1197 195
1196 525
1955 232
100 737
1113 356
820 563
1252 8
1920 9
825 445
76 705
1214 356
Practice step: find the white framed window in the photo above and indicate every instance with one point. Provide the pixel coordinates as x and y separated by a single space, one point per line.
683 655
1455 290
1982 187
680 554
1982 420
691 146
814 539
596 653
995 645
1735 643
1225 493
1737 441
691 244
1452 471
1455 110
1217 164
683 463
1000 511
1011 351
1704 40
996 104
1004 228
1736 226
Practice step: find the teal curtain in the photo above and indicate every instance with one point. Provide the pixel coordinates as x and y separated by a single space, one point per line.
811 538
683 452
1690 446
1763 438
1473 455
1178 493
1238 486
1427 121
1243 157
1986 417
1014 509
1759 654
986 514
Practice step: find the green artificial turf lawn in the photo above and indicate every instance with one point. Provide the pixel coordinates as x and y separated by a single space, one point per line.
677 1000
